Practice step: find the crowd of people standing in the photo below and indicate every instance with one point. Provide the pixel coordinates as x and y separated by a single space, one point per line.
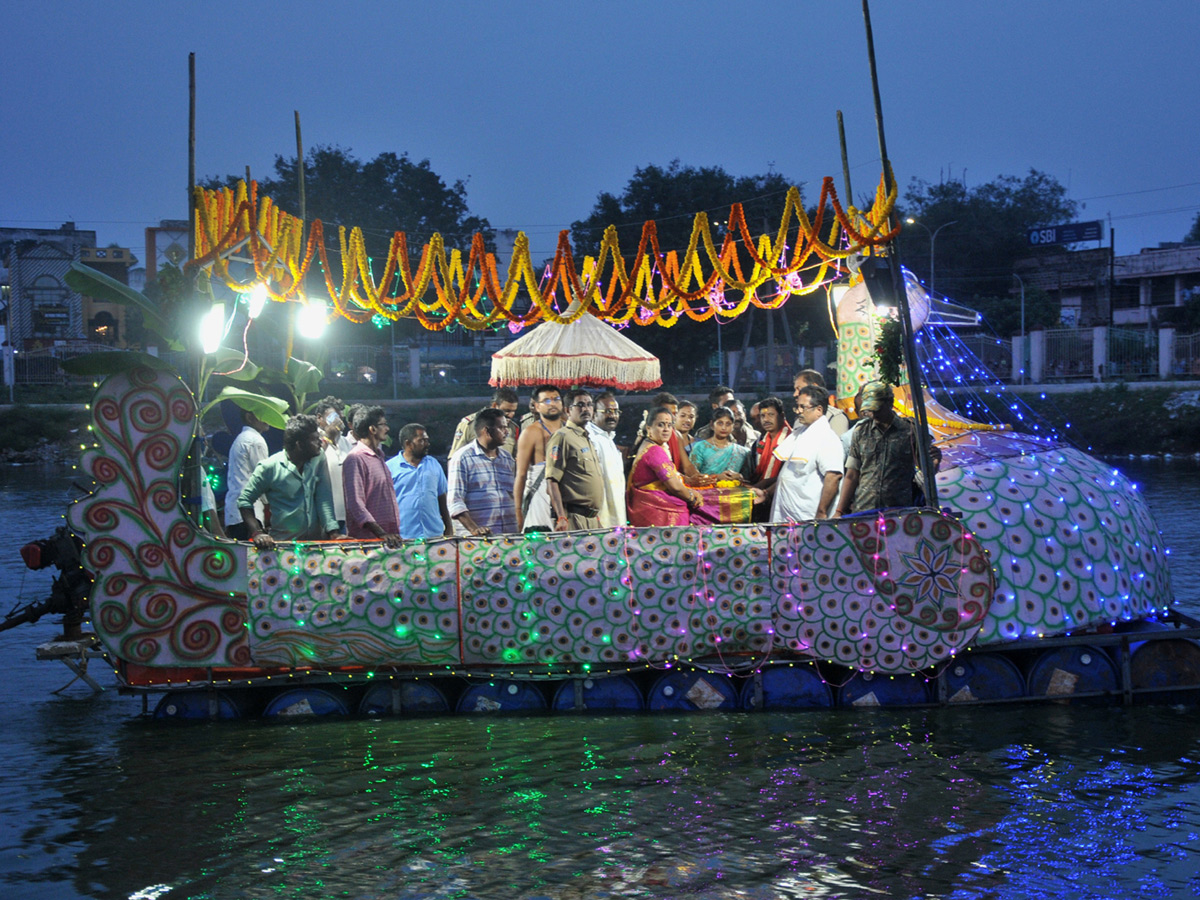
561 468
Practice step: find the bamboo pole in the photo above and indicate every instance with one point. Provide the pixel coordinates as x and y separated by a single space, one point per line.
849 198
915 380
291 307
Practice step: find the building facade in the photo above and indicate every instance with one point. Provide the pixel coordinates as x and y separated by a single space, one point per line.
1095 288
42 310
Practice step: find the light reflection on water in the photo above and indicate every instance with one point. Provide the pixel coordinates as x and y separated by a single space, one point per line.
1016 802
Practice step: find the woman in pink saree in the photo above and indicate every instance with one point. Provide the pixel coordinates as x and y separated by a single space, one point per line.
658 494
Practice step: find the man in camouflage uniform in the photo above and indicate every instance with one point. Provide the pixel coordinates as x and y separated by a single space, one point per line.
505 400
882 458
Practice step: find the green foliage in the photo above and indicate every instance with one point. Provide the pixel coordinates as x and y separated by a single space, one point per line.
304 378
166 323
172 316
975 255
1003 314
173 296
299 380
672 196
233 365
1118 421
24 428
889 351
271 410
1193 235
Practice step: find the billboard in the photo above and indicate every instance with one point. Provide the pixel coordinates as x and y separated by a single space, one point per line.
1071 233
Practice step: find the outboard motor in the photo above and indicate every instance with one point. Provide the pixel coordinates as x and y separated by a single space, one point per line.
70 590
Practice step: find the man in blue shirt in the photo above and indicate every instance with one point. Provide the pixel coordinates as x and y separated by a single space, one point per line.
420 487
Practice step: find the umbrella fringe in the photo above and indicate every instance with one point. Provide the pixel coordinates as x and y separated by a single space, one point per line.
584 352
560 371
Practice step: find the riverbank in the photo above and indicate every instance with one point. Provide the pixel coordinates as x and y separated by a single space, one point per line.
1121 420
42 434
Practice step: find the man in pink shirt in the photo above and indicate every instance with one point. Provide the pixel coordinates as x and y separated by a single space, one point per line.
371 511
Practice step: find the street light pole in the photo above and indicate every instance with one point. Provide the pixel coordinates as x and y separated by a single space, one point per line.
932 243
1024 349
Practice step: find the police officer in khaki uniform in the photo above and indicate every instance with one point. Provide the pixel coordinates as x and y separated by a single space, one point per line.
574 476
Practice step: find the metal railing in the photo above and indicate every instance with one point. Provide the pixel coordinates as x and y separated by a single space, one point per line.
1068 354
44 365
1186 362
996 354
1132 353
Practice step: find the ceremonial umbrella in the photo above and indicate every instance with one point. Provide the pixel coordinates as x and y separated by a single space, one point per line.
585 352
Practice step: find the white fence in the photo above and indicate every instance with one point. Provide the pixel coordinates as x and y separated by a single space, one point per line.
1105 354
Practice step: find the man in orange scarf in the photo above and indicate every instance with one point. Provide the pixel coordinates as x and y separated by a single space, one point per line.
775 428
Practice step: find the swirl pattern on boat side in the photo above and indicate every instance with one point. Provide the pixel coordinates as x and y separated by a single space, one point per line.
165 593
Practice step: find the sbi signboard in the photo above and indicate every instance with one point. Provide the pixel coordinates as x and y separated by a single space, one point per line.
1066 234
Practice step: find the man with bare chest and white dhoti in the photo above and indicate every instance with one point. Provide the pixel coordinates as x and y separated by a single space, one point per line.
529 488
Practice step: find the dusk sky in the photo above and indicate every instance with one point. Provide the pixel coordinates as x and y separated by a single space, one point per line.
541 106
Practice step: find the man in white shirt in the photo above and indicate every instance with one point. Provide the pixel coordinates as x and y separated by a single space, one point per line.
838 420
602 431
335 445
813 462
248 450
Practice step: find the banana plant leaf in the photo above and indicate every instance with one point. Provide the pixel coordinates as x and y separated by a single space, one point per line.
234 365
303 376
86 280
271 410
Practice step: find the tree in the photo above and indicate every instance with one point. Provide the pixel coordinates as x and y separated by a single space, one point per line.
1193 236
387 194
672 196
975 255
1003 314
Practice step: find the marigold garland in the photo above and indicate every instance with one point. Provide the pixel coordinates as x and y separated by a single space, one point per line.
235 224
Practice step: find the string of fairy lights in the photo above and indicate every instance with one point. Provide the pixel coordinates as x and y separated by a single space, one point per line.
656 288
738 668
704 595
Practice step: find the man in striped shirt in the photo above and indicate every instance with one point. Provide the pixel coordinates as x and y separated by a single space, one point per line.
481 476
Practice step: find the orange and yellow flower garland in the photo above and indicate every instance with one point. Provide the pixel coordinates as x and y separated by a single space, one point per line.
235 224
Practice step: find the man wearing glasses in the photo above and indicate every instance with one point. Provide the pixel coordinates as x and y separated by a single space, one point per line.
480 491
838 420
529 489
812 462
574 471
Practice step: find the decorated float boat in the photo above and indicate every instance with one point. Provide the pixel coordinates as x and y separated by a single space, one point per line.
1039 573
961 605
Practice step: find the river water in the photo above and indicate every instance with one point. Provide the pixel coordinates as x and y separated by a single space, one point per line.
1013 802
